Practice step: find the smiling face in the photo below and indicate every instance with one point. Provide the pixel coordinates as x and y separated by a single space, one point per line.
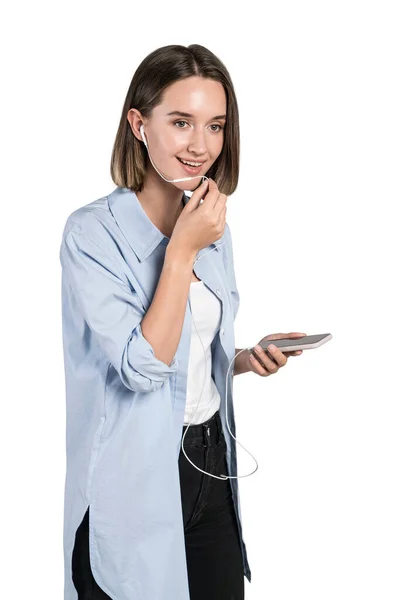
197 137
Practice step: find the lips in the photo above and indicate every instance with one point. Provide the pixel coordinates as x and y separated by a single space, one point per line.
190 170
190 160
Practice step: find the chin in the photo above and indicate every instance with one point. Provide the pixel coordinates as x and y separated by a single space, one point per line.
191 184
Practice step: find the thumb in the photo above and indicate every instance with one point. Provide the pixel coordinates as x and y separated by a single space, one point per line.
195 198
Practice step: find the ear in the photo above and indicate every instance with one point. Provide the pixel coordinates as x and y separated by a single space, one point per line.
134 118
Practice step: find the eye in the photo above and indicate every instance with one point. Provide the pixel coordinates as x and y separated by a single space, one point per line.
214 125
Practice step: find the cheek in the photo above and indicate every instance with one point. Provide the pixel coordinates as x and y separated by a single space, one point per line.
219 145
170 145
215 147
162 143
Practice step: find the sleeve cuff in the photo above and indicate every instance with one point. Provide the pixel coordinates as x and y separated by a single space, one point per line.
145 361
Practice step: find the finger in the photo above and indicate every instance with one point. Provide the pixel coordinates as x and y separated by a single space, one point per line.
195 198
212 184
221 204
212 197
267 362
277 354
223 212
256 366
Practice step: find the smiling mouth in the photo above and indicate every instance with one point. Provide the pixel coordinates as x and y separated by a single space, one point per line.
192 166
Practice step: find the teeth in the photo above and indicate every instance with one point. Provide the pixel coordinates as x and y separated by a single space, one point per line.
190 163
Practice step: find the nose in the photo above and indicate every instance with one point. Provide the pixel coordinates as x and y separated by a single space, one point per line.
197 143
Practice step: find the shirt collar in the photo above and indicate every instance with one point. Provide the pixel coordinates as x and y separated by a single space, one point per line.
141 234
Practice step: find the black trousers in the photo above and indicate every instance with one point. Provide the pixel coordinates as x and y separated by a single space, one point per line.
213 550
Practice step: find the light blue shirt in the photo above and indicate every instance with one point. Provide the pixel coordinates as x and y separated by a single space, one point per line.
125 407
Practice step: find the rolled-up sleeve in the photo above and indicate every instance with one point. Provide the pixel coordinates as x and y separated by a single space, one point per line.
229 259
113 312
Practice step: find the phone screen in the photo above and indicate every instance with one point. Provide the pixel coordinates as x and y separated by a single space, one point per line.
307 339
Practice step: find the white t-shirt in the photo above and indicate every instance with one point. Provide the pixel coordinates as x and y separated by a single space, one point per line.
205 309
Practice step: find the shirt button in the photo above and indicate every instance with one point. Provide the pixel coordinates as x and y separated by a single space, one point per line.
222 332
218 292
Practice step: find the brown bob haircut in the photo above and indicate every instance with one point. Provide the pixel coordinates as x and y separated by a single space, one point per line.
157 71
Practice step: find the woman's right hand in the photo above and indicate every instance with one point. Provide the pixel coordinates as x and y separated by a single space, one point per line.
199 225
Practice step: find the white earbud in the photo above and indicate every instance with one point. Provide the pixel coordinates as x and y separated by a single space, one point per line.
143 135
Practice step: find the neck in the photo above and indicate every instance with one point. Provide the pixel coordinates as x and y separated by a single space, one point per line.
162 201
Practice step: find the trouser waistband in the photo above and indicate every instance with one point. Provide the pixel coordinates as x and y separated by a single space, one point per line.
208 432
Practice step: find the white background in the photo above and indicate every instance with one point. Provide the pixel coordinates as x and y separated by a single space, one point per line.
311 222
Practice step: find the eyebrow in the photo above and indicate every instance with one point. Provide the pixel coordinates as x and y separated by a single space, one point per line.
190 116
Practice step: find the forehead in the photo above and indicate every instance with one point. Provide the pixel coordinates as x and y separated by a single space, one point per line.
194 95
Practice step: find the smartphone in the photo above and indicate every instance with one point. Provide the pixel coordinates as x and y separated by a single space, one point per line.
291 344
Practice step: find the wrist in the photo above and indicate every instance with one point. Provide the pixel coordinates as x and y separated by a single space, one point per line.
242 362
175 252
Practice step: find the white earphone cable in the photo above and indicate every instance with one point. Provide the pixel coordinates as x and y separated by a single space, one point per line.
222 477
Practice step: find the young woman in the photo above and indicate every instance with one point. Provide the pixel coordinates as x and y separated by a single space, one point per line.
149 299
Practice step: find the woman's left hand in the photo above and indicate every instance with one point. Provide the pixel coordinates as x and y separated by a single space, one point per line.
270 361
